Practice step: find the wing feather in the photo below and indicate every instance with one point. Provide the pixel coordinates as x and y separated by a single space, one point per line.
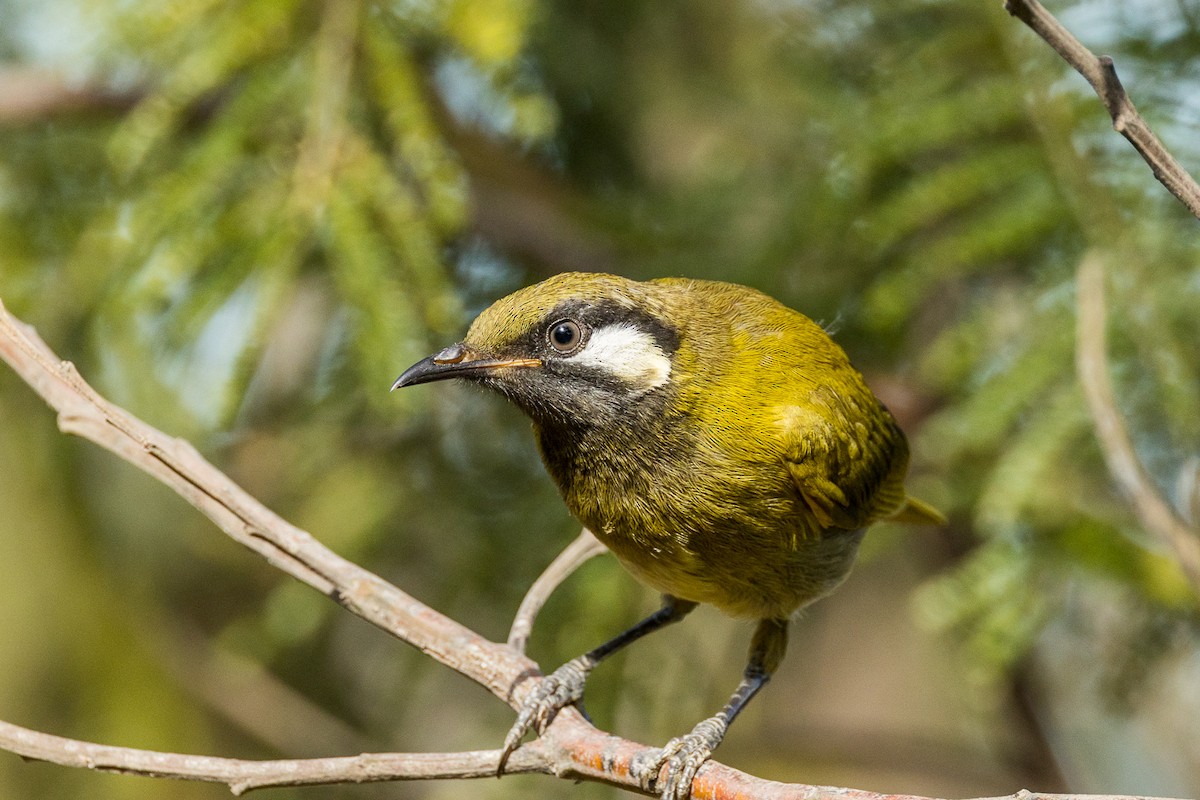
848 462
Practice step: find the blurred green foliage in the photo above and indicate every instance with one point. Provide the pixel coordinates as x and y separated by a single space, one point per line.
258 213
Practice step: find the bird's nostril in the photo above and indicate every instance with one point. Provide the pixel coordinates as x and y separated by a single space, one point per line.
451 355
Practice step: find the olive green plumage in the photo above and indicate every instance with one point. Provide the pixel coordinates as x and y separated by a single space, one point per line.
720 444
742 479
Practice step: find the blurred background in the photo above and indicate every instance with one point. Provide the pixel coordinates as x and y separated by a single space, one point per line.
243 220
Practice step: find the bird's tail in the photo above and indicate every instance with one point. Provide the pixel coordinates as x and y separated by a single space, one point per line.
917 512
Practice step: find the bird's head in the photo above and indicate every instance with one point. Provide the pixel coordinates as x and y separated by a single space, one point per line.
576 349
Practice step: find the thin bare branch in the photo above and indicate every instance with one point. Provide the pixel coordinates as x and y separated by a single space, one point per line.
1091 363
176 463
570 748
1102 75
248 695
573 748
582 549
607 764
242 776
30 95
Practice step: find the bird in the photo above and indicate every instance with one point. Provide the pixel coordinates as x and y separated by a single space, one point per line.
717 442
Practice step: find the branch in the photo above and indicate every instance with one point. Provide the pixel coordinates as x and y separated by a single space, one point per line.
1091 363
570 748
174 462
30 95
1102 75
585 547
242 776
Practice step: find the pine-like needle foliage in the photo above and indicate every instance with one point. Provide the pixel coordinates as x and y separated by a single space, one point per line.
248 217
269 143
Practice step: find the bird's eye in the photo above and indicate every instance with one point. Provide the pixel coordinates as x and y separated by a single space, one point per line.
565 335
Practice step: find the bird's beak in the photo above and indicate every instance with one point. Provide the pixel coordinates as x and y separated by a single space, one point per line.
456 361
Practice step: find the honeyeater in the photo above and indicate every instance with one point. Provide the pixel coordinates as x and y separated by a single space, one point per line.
717 442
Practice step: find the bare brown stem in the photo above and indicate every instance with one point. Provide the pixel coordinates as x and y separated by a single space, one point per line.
610 763
242 776
570 747
83 412
1091 362
30 95
1102 75
584 547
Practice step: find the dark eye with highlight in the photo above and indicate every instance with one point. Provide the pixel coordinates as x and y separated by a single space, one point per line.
565 335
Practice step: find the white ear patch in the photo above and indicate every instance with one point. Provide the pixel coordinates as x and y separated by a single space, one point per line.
628 353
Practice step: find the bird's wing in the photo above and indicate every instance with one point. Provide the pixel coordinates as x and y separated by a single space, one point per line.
848 466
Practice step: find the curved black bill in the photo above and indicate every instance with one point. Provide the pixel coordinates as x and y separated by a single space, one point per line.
454 362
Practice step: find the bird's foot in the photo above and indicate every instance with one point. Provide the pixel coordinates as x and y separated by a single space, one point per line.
556 691
669 772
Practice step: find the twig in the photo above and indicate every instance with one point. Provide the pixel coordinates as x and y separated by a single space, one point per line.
570 747
32 95
1091 362
1102 75
247 694
242 776
83 412
585 547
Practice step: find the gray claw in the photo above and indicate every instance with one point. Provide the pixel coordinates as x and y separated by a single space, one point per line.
556 691
645 768
679 761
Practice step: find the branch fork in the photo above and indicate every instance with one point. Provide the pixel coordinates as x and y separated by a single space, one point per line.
570 747
1101 73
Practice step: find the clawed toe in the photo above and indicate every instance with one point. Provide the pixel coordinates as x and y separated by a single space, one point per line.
646 766
669 772
556 691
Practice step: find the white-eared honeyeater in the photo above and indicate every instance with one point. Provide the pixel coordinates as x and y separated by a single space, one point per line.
720 444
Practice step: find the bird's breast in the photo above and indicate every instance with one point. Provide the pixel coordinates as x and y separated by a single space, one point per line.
691 520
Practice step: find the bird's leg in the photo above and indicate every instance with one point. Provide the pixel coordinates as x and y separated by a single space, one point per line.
564 686
682 757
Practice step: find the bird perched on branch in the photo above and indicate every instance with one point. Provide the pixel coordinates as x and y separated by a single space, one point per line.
718 443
